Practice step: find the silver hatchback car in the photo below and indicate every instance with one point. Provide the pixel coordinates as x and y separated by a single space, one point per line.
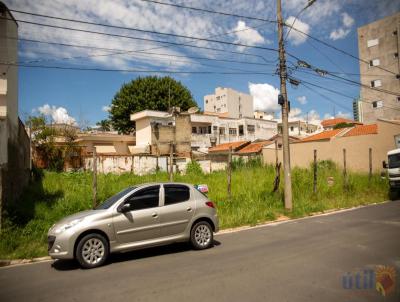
137 217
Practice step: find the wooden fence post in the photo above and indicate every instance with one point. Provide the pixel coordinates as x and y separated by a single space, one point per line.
230 173
94 177
370 164
1 197
344 168
171 162
315 172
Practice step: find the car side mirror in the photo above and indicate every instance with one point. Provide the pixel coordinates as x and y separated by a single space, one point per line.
125 208
384 164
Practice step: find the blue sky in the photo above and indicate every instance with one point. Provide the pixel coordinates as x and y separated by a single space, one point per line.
82 95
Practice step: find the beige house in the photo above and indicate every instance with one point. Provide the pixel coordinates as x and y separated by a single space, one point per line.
378 44
157 131
229 103
380 137
14 141
299 128
106 143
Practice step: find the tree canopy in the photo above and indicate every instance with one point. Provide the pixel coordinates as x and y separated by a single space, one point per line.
152 93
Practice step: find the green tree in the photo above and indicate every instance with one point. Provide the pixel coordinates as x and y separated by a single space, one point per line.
105 125
151 92
343 125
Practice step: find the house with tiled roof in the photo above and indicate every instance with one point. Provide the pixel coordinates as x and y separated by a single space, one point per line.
360 142
329 124
224 148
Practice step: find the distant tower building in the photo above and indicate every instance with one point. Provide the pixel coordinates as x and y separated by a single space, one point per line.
378 44
357 110
229 103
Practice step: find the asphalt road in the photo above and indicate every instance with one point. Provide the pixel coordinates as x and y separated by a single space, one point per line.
302 260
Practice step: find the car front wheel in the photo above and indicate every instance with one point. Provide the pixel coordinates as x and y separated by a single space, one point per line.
201 236
92 251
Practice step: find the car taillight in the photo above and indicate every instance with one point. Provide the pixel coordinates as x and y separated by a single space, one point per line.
210 204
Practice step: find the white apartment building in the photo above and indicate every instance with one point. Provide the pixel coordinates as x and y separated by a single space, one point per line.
229 103
154 129
210 129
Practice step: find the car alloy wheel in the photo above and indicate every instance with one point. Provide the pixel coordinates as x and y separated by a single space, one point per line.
201 235
92 251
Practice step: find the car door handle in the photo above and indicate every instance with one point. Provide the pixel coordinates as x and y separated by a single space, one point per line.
155 215
189 209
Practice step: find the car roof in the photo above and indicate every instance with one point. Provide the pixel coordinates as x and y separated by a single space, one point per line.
162 183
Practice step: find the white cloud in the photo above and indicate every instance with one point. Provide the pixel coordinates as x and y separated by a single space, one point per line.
247 35
348 21
59 115
339 33
297 114
296 37
265 97
106 108
341 114
344 30
302 100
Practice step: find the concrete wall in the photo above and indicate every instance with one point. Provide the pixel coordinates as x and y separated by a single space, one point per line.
388 45
357 150
139 165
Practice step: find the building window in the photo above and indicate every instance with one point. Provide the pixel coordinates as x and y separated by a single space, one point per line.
206 101
394 33
218 98
291 128
241 132
251 128
209 129
218 109
376 83
373 42
222 131
194 130
377 104
232 131
374 62
396 55
398 98
215 128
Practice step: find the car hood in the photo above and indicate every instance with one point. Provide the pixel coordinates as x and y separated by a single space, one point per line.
79 215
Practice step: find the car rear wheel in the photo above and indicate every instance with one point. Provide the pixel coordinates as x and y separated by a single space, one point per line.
201 236
92 251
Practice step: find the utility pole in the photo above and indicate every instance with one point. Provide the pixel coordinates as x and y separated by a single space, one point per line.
285 113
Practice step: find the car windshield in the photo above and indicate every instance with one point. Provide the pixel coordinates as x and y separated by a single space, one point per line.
113 199
394 161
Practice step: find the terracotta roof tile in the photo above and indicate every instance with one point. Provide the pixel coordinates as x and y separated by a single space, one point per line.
254 147
225 147
328 134
335 121
362 130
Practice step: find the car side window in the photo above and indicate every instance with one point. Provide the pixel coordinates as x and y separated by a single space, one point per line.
144 199
175 194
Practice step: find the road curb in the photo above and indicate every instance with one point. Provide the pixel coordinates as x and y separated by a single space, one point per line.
7 262
284 219
280 220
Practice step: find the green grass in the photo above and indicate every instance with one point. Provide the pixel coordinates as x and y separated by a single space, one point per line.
60 194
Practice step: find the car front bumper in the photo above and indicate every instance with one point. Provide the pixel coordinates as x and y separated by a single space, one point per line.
60 246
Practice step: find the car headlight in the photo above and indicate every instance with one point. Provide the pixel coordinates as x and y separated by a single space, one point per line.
67 226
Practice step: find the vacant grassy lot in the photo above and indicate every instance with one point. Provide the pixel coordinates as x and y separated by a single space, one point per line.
60 194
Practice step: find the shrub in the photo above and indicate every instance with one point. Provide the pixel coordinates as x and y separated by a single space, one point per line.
194 168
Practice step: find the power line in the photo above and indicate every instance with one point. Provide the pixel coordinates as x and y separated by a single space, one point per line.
344 95
272 21
310 2
119 27
210 11
147 39
340 50
132 70
139 53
